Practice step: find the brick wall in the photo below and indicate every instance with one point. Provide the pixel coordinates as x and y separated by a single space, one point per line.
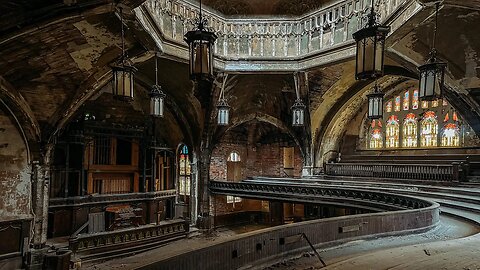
263 160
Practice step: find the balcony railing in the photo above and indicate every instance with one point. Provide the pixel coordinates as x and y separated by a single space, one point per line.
110 198
318 194
280 38
440 172
85 244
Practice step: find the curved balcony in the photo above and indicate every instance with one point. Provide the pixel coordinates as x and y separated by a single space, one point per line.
343 196
273 44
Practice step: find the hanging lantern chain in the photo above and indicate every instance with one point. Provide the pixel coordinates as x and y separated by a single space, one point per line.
156 69
123 33
434 50
222 91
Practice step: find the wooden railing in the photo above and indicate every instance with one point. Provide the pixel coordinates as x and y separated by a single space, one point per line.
121 239
439 172
109 198
379 201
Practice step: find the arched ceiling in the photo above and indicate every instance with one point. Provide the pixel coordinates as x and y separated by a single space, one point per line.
54 62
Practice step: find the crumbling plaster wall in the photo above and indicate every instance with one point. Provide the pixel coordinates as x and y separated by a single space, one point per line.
15 188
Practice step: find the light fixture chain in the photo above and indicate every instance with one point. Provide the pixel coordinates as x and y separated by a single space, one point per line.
123 33
295 79
436 25
156 69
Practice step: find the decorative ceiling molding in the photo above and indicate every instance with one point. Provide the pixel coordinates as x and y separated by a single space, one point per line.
270 44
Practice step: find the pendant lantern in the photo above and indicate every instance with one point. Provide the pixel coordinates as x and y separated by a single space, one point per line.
370 43
375 103
432 74
223 107
123 72
200 43
157 97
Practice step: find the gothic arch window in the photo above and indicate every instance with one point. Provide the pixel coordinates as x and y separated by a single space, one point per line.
450 135
184 174
234 174
234 157
410 131
415 100
429 130
392 132
376 135
406 100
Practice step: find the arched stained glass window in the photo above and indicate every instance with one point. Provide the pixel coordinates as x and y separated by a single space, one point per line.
406 100
389 106
410 131
184 174
415 100
424 104
429 130
376 138
392 139
450 135
397 103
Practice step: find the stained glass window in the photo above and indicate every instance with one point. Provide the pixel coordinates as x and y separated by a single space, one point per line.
392 132
410 131
406 126
389 106
424 104
184 174
406 100
376 138
415 100
397 104
450 135
429 127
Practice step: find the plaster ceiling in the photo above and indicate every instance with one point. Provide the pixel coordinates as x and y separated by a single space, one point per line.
265 7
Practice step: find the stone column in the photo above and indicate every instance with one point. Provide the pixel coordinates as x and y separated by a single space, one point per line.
40 196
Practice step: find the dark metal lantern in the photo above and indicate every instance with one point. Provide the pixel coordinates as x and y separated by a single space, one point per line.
375 105
298 113
157 101
370 43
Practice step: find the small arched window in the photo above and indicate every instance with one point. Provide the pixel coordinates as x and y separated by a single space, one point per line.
234 157
184 174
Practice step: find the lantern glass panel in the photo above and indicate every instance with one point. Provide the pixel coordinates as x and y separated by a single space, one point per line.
379 56
360 57
201 59
369 58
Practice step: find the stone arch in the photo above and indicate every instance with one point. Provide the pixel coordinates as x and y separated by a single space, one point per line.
262 117
23 118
